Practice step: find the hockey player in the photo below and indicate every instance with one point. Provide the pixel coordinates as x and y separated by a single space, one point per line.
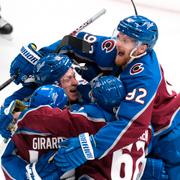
148 101
5 27
57 69
51 69
51 96
42 128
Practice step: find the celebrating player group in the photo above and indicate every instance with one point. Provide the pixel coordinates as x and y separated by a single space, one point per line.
117 120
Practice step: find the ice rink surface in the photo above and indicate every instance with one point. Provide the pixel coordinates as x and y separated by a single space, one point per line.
45 21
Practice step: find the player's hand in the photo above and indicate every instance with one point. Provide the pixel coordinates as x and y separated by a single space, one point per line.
43 169
75 152
22 65
8 118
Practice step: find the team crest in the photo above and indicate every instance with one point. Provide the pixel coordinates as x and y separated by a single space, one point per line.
108 45
136 68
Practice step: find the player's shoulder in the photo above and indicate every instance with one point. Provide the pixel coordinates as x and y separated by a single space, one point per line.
143 74
42 110
145 66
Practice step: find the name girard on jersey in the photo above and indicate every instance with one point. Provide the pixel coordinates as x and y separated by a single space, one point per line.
46 142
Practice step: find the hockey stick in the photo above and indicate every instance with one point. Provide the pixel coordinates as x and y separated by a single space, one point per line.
89 21
6 83
79 44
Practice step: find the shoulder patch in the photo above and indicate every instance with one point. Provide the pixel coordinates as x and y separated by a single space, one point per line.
136 68
108 45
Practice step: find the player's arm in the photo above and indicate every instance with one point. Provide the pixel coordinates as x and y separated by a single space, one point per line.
42 169
102 53
10 160
100 57
133 119
49 49
6 116
23 93
135 112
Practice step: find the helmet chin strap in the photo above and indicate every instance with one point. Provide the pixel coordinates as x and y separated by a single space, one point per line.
138 56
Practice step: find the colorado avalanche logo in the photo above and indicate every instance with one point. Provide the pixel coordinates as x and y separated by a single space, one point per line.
108 45
136 68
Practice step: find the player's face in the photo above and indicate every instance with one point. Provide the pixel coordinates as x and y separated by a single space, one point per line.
124 46
69 83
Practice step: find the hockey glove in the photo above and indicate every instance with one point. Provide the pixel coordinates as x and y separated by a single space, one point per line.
43 169
75 152
6 118
7 121
22 65
155 170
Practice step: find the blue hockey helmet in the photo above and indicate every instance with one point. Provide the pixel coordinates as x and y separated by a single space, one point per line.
140 28
108 91
51 68
49 95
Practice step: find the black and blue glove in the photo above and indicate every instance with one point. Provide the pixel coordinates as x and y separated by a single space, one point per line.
43 169
22 66
75 152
